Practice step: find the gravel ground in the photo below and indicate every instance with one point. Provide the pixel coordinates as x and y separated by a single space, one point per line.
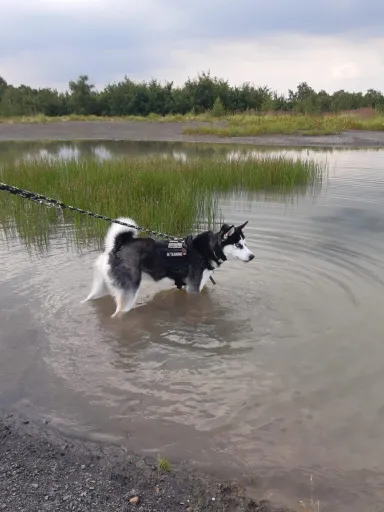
43 471
157 131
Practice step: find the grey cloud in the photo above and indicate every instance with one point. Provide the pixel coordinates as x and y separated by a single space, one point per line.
102 47
252 18
139 40
42 32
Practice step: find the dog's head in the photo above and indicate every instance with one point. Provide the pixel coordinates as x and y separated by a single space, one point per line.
233 242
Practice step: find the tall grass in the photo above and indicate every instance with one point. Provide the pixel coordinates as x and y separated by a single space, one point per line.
161 193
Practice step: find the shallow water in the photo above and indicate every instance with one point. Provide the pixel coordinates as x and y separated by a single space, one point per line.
272 376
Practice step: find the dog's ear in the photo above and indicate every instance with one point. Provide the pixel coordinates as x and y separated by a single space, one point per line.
242 226
226 231
224 228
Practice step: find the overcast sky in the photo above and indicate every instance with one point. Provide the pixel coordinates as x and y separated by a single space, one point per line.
331 44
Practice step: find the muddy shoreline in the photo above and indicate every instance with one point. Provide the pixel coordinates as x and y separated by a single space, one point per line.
42 470
173 132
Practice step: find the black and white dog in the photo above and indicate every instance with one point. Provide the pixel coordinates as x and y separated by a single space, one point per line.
119 269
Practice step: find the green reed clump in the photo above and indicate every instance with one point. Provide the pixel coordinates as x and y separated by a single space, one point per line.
161 193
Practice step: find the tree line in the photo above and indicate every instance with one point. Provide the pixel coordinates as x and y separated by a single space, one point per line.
202 94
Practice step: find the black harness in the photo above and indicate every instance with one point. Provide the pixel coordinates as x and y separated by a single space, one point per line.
177 256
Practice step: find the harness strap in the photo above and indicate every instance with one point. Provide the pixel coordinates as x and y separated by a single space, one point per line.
189 244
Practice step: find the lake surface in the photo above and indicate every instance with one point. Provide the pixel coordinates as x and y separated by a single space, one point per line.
271 376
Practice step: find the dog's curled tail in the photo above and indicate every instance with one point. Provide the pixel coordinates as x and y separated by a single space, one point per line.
118 235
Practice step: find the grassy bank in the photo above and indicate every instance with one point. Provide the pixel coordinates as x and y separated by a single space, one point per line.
162 193
239 125
42 119
246 125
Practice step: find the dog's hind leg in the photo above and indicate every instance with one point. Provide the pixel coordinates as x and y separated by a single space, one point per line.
99 288
125 300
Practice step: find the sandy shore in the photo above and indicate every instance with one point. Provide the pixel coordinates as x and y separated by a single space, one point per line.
157 131
41 470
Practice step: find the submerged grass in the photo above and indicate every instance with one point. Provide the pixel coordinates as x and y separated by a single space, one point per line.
159 192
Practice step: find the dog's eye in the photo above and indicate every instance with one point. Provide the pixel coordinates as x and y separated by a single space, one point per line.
239 246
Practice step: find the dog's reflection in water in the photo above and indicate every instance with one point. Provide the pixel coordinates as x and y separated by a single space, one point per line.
173 316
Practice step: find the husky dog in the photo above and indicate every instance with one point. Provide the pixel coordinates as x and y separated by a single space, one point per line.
119 269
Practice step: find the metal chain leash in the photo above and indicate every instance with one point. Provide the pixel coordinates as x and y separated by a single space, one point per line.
53 203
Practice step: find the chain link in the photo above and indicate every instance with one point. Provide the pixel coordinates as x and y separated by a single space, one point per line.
53 203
